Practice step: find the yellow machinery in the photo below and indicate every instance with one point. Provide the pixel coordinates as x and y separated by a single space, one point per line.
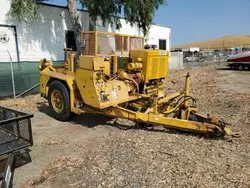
115 76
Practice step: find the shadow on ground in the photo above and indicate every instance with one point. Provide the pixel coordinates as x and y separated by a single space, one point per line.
225 68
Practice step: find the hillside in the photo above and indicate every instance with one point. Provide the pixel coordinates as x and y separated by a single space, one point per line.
229 41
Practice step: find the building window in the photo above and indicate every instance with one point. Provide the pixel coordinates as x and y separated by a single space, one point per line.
162 44
70 40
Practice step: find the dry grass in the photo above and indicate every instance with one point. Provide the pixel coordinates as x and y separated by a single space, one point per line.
66 163
30 103
220 43
53 141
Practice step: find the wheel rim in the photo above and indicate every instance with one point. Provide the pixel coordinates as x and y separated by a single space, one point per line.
57 101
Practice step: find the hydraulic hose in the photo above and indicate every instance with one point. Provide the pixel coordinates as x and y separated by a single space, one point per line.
137 86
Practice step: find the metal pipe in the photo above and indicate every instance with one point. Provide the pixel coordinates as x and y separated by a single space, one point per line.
12 75
169 97
71 58
17 47
71 64
28 90
155 100
122 45
115 64
131 79
187 86
65 57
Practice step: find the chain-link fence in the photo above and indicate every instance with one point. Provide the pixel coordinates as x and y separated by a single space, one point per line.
20 78
203 58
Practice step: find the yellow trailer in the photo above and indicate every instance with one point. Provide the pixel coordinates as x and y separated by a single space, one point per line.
116 76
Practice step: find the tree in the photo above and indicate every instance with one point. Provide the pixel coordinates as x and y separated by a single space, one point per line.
136 12
76 23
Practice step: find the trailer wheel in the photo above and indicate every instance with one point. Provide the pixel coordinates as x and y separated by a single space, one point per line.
59 101
232 67
241 67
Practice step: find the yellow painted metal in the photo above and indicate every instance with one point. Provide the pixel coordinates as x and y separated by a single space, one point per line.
115 64
71 64
67 59
98 93
107 65
155 63
95 88
139 59
123 75
110 33
131 66
158 119
57 101
44 63
49 74
169 97
93 63
135 66
125 113
187 86
86 62
228 131
155 105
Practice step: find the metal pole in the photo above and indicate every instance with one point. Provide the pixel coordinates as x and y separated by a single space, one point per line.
187 86
28 90
178 61
12 75
193 61
8 172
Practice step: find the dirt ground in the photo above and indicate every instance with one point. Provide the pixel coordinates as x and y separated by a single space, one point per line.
97 151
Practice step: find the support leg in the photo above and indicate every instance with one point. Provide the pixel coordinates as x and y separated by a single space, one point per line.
8 172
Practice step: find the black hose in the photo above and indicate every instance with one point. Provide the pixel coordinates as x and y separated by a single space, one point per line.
188 97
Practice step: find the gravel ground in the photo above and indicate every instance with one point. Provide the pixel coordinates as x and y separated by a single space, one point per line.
96 151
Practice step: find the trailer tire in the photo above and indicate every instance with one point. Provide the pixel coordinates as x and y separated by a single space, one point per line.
241 67
232 67
59 101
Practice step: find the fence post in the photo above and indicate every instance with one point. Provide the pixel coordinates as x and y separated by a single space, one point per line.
179 61
12 75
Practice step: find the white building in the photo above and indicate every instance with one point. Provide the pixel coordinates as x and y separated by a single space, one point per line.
191 49
45 37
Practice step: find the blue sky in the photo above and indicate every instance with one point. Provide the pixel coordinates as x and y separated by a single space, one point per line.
194 20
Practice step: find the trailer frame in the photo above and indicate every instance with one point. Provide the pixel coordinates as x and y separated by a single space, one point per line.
15 140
